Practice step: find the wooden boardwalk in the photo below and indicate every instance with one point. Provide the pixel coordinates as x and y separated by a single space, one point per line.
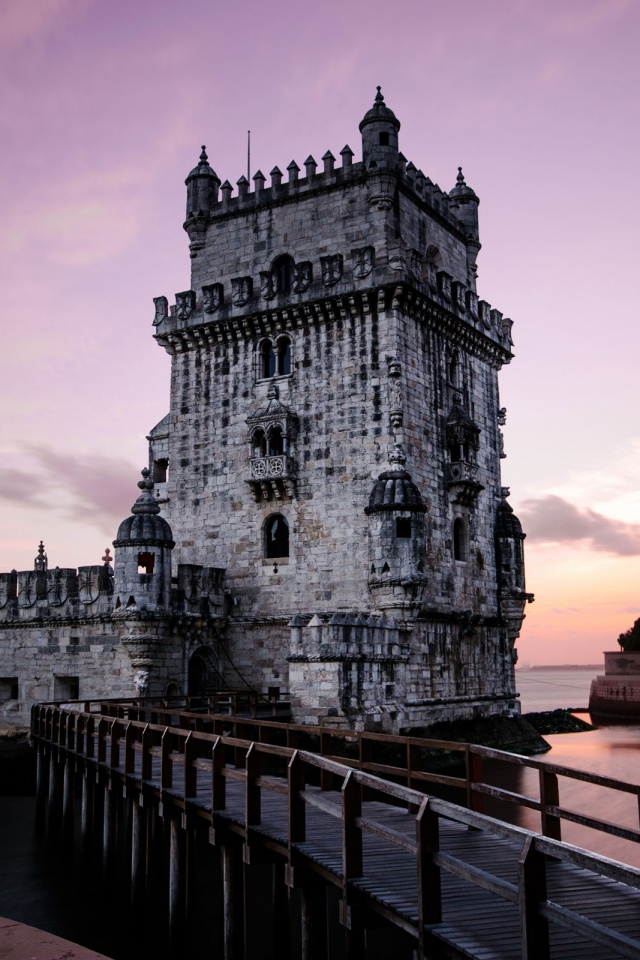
458 882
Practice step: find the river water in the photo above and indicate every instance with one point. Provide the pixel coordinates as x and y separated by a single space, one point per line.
39 888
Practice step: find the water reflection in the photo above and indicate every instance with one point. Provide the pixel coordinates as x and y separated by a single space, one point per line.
609 751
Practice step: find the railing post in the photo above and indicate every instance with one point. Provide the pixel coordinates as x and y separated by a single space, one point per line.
218 780
86 812
42 784
129 752
146 760
351 832
190 769
166 766
475 774
297 822
429 885
326 777
67 799
532 884
252 796
550 823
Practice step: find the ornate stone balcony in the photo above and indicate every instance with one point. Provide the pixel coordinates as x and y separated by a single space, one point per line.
462 480
272 478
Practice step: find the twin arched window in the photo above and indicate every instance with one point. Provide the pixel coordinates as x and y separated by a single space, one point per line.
276 537
275 358
271 444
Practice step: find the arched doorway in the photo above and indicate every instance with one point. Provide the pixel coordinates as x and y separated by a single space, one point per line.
203 676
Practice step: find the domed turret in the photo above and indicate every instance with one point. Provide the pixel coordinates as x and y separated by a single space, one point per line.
202 187
379 128
143 548
464 203
396 540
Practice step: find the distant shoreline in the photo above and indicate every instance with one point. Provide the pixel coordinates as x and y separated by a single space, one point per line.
562 666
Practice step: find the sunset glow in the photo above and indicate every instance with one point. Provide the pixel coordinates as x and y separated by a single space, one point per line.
106 108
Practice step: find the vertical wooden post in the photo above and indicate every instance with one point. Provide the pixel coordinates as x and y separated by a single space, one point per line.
281 947
313 919
42 784
233 902
218 783
252 795
475 774
177 888
53 822
138 855
67 799
551 825
429 886
532 884
297 826
108 832
351 833
86 813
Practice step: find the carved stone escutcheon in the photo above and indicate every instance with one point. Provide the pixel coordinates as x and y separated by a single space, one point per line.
301 276
212 297
444 285
364 260
185 304
472 304
416 265
162 310
241 290
397 262
268 284
458 291
432 275
331 269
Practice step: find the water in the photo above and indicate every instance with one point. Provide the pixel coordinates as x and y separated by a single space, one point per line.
550 688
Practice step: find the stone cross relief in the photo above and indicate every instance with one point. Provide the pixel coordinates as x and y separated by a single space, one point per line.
364 259
162 310
185 304
395 392
331 269
241 290
212 297
302 276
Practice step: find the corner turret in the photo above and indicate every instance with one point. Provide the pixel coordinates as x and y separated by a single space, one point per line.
202 195
379 128
143 548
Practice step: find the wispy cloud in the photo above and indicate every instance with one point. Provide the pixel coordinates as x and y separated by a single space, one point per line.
90 488
20 21
551 519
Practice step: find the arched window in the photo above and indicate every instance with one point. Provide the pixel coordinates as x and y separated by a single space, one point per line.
282 268
276 541
275 359
267 360
460 540
453 369
258 444
284 356
276 442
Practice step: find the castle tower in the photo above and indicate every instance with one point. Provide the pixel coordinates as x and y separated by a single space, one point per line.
332 325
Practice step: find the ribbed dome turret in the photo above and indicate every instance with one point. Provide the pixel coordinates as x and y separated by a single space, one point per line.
464 203
379 128
144 526
394 489
507 524
202 187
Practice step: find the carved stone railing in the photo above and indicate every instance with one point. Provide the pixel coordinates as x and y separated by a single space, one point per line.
462 480
272 478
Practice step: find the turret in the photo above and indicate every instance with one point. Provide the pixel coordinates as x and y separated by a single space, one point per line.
464 203
379 128
143 548
396 541
202 194
510 569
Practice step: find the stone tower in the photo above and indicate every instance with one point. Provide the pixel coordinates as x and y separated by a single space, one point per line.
333 438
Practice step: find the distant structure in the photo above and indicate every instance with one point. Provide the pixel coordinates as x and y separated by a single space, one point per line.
323 514
615 695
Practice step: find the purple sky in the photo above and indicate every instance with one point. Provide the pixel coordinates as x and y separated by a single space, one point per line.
105 106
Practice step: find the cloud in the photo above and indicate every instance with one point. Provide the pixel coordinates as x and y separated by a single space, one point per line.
20 21
550 519
90 488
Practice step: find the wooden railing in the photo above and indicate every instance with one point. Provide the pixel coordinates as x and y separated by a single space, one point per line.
405 760
181 763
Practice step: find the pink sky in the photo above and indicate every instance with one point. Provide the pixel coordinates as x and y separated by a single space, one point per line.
105 106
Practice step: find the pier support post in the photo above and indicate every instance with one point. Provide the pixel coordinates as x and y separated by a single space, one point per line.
108 833
281 919
233 902
67 799
42 784
177 887
138 855
86 813
54 794
313 917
